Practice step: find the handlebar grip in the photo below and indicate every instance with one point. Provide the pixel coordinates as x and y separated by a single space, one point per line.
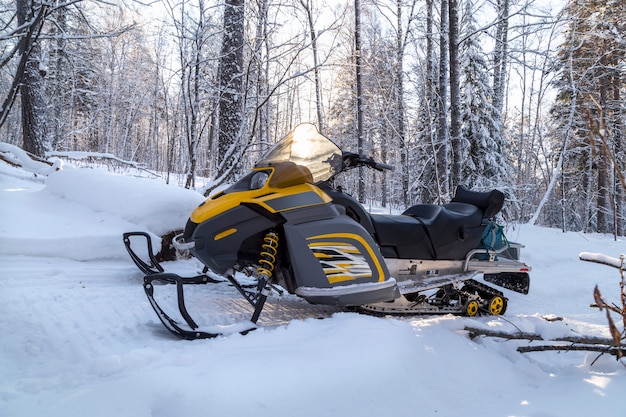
380 166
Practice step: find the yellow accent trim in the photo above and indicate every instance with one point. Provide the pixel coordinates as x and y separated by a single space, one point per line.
368 248
340 278
220 203
225 233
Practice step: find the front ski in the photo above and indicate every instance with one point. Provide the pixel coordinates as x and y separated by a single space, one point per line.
190 330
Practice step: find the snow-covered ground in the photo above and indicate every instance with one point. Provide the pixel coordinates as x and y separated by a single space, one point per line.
78 337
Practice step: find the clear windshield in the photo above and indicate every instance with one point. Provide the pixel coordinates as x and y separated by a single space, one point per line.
306 146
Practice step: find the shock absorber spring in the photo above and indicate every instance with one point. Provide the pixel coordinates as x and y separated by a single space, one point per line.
269 251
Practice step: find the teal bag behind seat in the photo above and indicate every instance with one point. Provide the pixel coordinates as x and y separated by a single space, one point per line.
492 239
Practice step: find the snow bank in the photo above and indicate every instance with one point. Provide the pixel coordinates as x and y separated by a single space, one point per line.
150 204
81 214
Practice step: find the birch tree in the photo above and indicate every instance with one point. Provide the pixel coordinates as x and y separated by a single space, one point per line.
307 6
359 96
426 185
500 53
442 156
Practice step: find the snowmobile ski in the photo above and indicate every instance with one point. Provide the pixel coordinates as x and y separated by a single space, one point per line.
256 295
191 330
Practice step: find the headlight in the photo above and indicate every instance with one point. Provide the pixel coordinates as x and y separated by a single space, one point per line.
258 180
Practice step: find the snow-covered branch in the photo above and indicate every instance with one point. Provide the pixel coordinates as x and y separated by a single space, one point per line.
603 259
19 157
93 156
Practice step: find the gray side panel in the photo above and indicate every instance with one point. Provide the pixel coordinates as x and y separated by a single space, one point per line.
333 252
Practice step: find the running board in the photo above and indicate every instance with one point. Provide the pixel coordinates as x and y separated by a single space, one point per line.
514 281
500 267
429 283
470 298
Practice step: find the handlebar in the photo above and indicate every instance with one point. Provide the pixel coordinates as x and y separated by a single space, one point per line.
353 160
383 167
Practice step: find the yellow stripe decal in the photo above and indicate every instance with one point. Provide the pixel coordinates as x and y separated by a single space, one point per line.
340 278
356 237
225 233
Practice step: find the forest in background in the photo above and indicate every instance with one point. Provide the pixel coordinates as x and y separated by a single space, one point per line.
513 94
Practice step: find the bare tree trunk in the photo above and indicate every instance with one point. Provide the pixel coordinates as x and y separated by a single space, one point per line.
32 93
59 92
500 54
455 96
359 96
192 115
404 169
306 4
231 83
618 149
442 129
429 112
603 161
260 74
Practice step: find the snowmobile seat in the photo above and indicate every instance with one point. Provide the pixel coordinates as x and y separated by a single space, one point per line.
428 231
489 202
426 212
456 230
402 237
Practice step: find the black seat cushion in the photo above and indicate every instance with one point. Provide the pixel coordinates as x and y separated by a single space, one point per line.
489 202
431 231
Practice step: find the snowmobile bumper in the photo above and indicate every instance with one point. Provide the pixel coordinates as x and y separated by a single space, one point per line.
514 281
150 267
501 267
351 295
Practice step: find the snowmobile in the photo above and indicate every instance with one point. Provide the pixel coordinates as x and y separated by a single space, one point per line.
284 226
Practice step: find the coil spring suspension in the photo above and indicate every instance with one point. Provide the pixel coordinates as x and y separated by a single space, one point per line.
269 250
267 262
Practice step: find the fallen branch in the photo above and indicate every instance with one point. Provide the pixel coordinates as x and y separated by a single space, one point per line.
578 343
95 156
475 332
108 159
612 350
